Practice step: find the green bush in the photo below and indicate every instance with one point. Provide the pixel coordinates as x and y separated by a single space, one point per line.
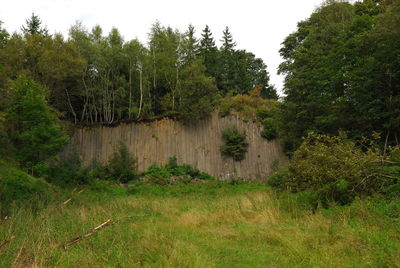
335 169
278 179
235 143
122 165
269 131
172 172
18 189
67 172
157 175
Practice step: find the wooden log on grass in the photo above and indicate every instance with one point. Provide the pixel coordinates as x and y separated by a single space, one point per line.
109 222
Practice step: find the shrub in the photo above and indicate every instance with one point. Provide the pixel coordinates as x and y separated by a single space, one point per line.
269 129
278 179
157 175
65 172
335 169
172 172
235 143
18 189
122 165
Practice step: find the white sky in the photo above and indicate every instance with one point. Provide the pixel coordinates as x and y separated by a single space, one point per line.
259 26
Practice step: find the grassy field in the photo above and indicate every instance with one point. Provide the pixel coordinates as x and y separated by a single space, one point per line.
201 225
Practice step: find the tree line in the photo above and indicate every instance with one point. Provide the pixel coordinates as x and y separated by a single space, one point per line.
92 77
342 71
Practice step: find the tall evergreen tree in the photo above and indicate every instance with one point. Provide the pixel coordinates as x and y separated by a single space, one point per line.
34 26
208 52
227 76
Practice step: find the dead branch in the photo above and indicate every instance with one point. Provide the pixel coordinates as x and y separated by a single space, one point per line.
109 222
69 199
8 240
66 202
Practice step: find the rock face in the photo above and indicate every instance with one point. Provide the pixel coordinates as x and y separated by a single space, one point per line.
197 145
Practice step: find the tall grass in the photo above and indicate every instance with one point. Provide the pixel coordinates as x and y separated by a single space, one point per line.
227 226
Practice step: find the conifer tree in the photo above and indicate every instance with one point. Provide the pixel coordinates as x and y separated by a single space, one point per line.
209 52
227 78
34 26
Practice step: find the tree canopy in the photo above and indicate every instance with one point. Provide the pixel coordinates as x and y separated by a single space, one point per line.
342 72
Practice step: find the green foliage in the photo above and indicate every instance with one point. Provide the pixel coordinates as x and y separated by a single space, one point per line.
65 172
278 179
99 78
33 26
18 189
334 169
122 165
250 106
198 93
340 72
158 175
269 132
173 173
35 134
235 143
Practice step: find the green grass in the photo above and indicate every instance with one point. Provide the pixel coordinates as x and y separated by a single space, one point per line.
210 224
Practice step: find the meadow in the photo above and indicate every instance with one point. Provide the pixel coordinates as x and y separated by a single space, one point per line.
212 224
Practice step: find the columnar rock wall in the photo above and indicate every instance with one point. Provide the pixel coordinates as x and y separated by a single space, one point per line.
197 145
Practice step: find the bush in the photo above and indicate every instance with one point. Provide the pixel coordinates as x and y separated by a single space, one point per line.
235 143
66 172
269 129
18 189
122 165
172 172
278 179
334 169
157 175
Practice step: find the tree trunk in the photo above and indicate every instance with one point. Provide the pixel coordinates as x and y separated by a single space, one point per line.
70 106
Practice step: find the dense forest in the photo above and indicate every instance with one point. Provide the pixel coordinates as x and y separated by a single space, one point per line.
338 122
342 69
97 78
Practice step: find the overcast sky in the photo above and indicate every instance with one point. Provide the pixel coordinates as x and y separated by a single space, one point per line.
258 26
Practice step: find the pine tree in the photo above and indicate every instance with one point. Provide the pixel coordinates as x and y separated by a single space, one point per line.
33 26
227 75
227 40
209 52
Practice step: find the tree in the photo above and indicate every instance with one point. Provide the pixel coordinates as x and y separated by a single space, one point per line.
314 82
208 52
33 26
227 73
34 131
165 50
251 73
3 36
190 48
341 68
198 93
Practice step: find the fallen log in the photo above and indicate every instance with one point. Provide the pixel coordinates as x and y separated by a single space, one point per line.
109 222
